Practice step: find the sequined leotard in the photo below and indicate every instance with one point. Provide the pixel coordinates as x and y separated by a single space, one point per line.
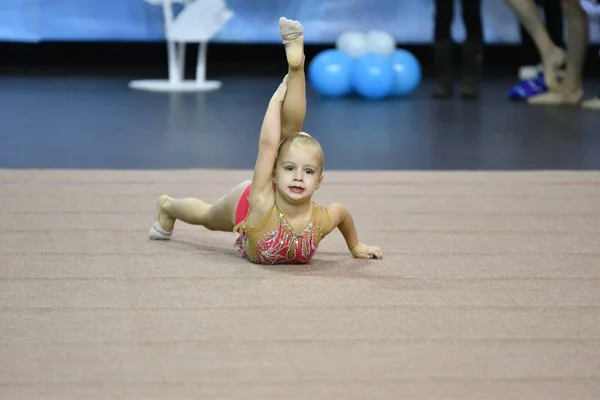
275 242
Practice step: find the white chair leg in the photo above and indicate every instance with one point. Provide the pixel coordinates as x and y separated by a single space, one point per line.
181 49
174 76
181 60
201 63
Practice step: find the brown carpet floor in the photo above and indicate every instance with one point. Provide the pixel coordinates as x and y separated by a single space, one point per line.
489 289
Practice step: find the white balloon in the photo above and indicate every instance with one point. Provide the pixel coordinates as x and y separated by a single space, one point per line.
353 43
380 42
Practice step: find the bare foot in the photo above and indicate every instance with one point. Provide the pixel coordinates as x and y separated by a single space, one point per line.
558 97
591 104
163 225
553 63
293 40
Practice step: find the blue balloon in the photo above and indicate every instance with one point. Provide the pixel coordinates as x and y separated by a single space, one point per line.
373 76
407 71
330 73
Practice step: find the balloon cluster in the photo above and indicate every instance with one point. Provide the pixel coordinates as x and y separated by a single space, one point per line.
368 64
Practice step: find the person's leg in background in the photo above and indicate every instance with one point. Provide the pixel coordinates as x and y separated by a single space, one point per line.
553 57
553 16
593 103
530 57
443 49
570 90
472 48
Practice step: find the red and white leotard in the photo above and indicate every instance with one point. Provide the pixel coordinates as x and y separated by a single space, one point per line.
274 241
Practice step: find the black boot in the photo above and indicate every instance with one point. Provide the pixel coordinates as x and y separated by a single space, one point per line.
471 69
443 56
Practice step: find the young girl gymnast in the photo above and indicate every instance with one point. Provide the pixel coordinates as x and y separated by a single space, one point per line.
274 214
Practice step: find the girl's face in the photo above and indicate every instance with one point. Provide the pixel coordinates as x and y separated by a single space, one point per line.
298 172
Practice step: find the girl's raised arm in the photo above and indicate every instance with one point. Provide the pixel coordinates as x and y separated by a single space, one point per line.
262 195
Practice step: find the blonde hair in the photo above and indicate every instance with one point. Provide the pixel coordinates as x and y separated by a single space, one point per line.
301 138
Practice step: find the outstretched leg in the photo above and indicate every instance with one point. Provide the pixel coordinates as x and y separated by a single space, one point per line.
215 217
293 108
553 57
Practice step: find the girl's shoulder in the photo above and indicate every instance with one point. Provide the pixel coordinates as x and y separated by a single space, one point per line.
321 218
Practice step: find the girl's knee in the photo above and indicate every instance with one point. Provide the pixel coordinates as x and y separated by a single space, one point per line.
217 218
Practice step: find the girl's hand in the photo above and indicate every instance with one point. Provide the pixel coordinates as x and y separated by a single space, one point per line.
362 250
279 94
